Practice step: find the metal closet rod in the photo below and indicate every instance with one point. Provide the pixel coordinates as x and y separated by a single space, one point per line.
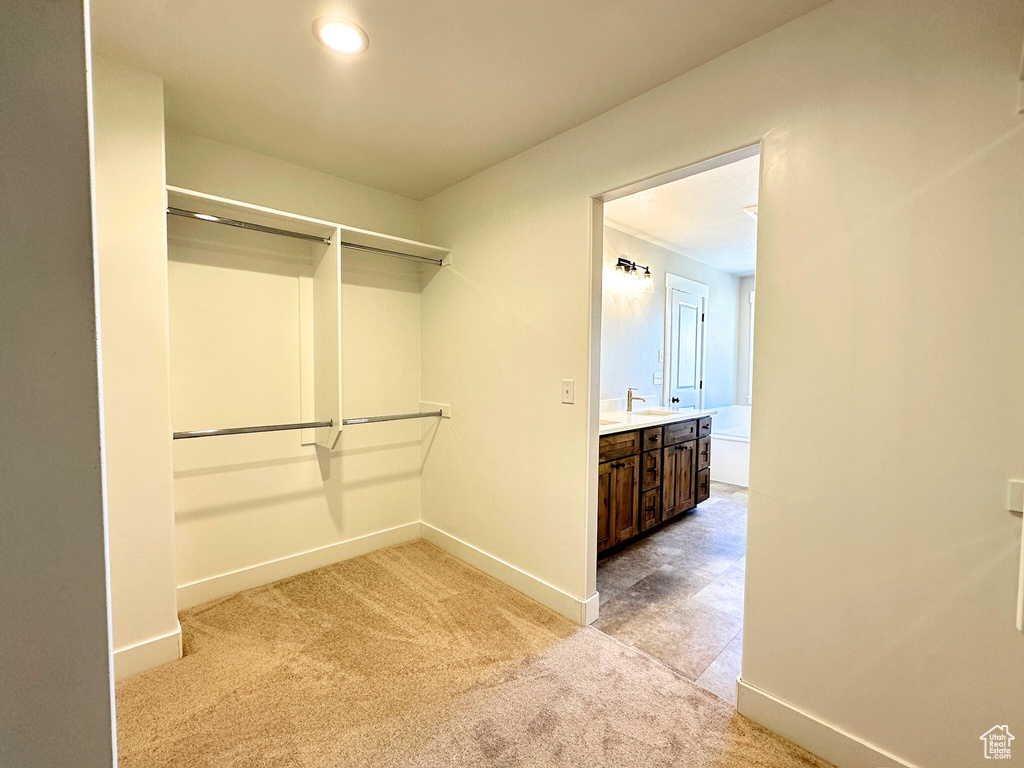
298 235
301 425
247 225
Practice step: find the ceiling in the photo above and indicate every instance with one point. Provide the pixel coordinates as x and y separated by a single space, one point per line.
700 216
446 89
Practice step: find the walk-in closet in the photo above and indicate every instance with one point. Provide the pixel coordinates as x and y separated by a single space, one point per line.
294 388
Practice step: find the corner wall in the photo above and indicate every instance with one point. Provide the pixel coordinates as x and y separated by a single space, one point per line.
56 691
882 564
132 245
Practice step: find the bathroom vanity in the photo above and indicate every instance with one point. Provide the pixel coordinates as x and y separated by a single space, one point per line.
654 466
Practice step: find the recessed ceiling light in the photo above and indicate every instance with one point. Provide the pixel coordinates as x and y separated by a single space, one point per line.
340 35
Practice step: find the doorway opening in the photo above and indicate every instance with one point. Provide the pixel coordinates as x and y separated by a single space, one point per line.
677 288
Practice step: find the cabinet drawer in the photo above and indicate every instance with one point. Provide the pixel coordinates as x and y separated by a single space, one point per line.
703 485
704 453
680 432
650 438
620 445
704 427
650 509
650 470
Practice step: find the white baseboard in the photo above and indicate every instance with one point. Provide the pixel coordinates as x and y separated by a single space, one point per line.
825 740
147 655
591 608
544 593
225 584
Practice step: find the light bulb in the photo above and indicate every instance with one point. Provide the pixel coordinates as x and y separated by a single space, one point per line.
619 279
341 35
647 281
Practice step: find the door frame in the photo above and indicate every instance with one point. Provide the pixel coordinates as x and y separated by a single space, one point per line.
596 274
675 282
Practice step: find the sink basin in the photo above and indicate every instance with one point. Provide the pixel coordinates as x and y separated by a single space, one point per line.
606 422
655 413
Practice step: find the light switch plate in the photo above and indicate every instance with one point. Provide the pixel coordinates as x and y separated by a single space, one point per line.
661 355
568 391
658 378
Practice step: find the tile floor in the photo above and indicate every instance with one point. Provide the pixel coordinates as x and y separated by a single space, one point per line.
678 594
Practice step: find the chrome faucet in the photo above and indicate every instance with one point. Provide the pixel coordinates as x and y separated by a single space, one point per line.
630 397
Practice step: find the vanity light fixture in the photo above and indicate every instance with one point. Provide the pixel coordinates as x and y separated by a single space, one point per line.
341 35
624 267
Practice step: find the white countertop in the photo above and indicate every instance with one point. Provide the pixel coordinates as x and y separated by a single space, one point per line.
623 421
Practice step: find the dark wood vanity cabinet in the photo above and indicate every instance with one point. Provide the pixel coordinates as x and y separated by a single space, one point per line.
649 476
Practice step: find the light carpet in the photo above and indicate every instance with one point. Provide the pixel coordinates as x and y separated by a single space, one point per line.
409 657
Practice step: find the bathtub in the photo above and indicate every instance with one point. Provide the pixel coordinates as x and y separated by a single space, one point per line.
730 445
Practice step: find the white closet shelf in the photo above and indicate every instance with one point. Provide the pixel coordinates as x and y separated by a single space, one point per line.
360 239
320 245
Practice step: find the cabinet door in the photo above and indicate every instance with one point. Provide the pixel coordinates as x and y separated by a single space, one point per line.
625 501
604 505
677 472
670 457
686 469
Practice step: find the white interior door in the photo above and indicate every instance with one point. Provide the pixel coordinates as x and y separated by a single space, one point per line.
686 349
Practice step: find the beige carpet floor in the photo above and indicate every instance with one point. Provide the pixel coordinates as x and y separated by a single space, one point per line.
408 657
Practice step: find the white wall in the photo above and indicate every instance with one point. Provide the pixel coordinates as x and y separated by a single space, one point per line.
746 287
220 169
255 508
132 246
56 693
882 567
633 324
